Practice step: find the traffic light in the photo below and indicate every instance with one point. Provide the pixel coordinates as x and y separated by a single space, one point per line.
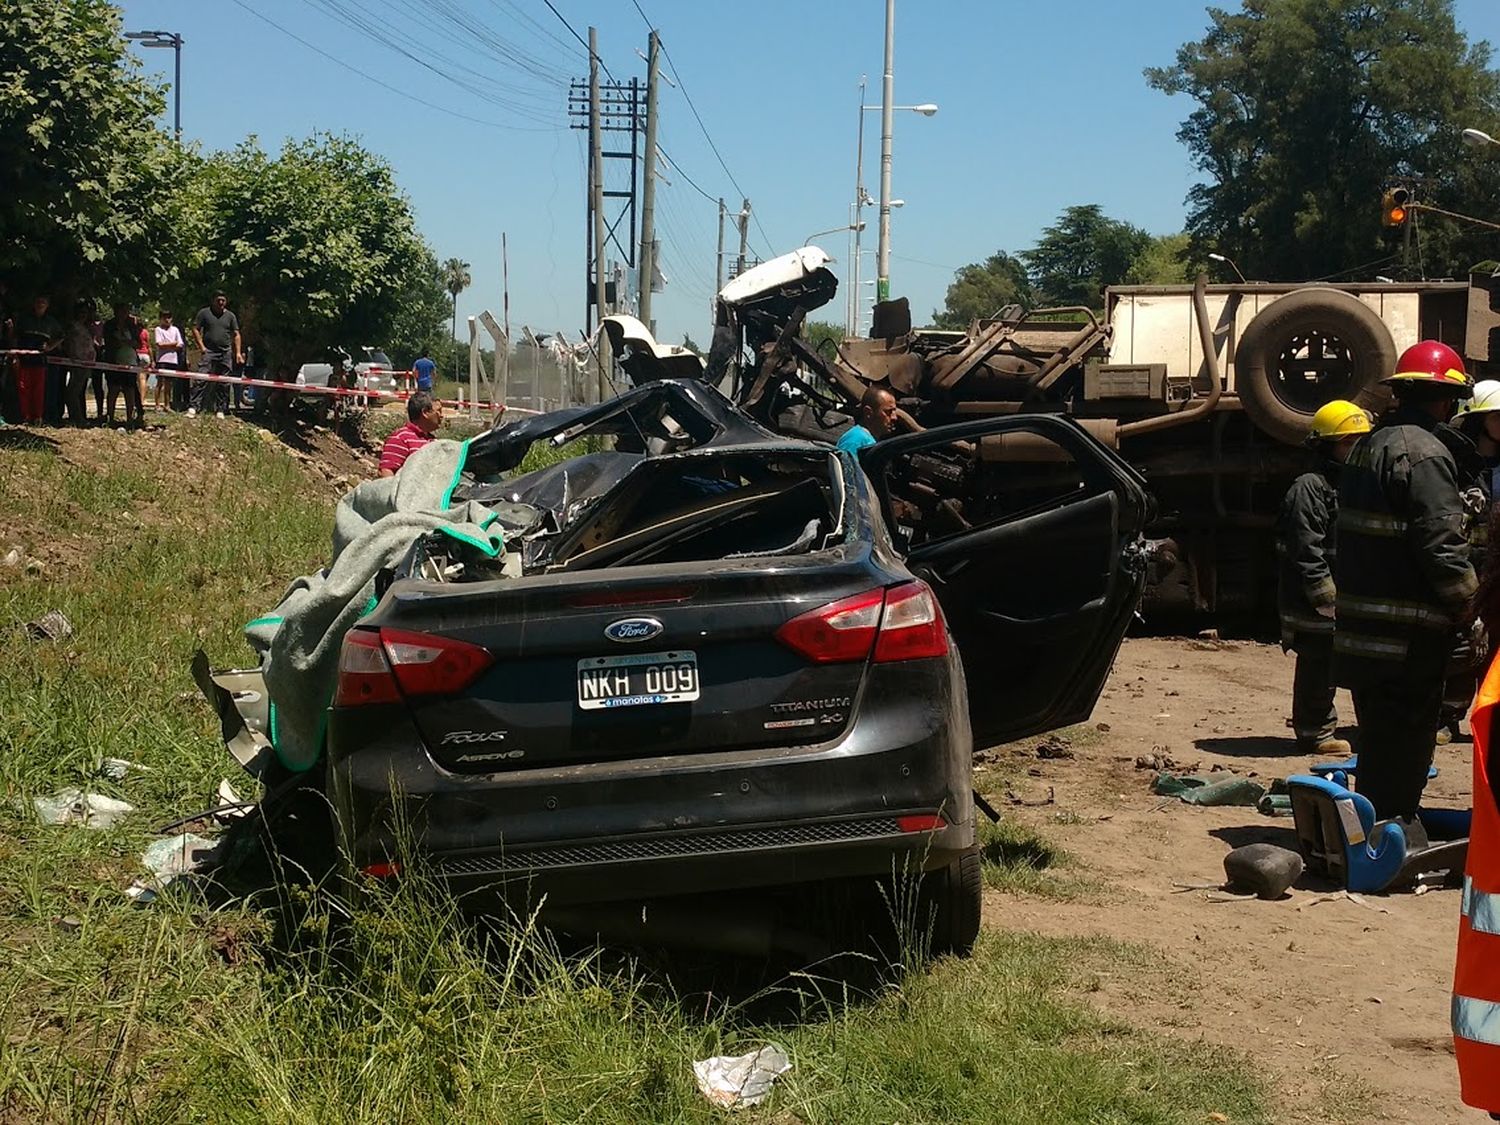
1395 207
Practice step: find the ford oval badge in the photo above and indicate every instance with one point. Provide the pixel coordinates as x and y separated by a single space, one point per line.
633 629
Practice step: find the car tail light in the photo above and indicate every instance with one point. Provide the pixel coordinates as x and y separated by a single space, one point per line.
384 666
912 627
921 823
429 665
903 623
840 632
364 673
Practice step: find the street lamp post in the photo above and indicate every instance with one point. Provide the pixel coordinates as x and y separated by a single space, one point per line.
1228 261
174 41
862 197
1478 138
855 227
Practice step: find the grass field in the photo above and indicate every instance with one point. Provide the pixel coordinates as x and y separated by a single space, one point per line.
256 999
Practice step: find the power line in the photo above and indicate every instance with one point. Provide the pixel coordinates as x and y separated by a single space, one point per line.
575 34
677 80
385 85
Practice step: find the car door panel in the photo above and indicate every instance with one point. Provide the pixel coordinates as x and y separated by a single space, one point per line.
1038 581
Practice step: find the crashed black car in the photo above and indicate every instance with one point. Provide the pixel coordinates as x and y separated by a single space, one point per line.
717 659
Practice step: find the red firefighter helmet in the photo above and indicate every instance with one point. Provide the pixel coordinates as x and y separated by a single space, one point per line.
1433 362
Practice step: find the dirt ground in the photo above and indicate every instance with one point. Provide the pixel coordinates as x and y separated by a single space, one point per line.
1343 1004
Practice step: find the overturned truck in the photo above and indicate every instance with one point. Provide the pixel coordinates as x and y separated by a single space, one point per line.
1207 390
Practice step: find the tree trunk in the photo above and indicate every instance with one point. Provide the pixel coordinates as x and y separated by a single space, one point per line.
453 332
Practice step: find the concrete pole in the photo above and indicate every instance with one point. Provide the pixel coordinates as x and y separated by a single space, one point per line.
851 275
596 195
887 122
739 266
719 271
502 363
647 258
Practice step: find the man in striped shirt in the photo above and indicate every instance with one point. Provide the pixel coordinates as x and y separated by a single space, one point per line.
423 417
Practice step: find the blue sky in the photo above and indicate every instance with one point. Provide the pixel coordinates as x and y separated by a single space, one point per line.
1042 106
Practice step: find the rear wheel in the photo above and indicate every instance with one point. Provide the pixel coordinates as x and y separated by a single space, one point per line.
1306 349
954 896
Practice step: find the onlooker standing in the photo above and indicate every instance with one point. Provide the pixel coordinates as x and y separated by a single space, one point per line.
216 331
425 369
143 365
9 404
122 339
80 342
168 345
423 418
40 331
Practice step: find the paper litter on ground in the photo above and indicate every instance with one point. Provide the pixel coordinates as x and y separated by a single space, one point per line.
738 1081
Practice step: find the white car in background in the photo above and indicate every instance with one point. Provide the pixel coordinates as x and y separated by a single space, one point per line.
374 373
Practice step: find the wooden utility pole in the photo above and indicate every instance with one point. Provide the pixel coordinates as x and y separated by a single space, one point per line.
596 199
647 258
719 272
739 266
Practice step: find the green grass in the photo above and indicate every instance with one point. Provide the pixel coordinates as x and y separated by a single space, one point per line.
256 1001
1018 860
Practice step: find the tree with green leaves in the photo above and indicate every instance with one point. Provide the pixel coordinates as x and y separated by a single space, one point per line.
1166 259
316 245
88 183
823 337
981 289
1307 109
1081 253
456 278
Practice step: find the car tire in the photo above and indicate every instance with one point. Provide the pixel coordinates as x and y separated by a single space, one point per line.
955 895
1356 351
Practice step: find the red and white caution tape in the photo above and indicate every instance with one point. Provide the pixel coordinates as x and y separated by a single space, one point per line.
242 381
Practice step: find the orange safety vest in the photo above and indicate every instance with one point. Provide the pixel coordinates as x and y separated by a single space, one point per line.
1476 979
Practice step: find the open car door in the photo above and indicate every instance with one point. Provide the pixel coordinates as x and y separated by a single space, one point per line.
1029 531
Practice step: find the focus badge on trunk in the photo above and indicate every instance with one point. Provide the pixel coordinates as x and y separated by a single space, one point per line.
633 629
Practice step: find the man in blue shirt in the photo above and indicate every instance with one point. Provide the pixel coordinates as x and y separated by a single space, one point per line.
875 419
425 368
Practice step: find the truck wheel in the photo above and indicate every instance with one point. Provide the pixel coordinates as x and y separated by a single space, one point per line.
1308 348
955 895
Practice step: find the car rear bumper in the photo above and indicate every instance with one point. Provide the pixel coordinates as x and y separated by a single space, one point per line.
683 824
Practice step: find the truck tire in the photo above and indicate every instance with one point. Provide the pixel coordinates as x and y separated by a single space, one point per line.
1305 349
955 894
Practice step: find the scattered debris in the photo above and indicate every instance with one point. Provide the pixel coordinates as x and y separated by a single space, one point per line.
1264 869
73 806
1102 728
50 626
1204 789
67 923
1159 760
231 807
739 1081
1357 899
13 558
1209 635
179 855
118 769
1050 799
1055 747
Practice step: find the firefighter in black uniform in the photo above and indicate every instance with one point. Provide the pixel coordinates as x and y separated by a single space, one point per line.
1403 577
1305 545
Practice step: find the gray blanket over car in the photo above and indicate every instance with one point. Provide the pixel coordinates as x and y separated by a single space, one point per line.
374 526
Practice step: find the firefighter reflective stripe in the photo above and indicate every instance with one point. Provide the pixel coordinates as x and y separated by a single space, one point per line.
1372 523
1377 648
1293 622
1385 609
1476 1020
1481 908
